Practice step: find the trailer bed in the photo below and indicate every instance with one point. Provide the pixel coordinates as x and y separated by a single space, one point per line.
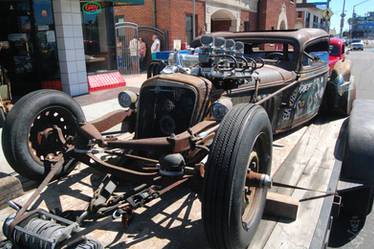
303 157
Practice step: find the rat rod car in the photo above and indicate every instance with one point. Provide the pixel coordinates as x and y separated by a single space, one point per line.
209 115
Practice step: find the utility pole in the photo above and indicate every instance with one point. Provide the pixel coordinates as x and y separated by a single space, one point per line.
342 20
328 20
193 20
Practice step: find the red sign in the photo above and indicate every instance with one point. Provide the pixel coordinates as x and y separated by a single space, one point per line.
91 8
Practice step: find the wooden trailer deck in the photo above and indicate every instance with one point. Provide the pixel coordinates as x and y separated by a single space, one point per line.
303 157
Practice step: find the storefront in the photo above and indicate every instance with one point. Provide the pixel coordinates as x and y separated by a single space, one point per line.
57 43
28 41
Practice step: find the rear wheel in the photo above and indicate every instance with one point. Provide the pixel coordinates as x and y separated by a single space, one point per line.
29 136
231 210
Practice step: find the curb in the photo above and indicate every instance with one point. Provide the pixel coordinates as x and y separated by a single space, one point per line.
10 188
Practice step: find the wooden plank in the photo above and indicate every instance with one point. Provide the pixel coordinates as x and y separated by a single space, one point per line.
291 171
10 187
281 206
315 175
284 144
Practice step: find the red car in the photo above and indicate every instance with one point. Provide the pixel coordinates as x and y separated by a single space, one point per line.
337 51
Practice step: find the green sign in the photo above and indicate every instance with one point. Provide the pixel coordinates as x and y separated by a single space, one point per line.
91 8
129 2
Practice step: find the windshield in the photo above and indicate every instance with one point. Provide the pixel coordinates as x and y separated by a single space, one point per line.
356 40
334 50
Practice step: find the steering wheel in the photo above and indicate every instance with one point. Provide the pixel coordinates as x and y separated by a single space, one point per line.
274 56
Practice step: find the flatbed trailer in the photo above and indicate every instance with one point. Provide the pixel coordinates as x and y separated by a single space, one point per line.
304 157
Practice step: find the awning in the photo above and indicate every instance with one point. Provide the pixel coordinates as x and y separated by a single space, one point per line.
130 2
121 2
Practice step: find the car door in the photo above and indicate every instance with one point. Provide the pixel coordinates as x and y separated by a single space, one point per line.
303 102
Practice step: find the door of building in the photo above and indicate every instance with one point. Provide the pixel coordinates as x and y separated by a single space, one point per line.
127 47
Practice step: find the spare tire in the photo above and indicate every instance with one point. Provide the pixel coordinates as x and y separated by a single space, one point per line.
231 211
28 138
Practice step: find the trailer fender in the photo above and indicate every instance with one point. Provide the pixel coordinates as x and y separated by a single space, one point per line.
359 149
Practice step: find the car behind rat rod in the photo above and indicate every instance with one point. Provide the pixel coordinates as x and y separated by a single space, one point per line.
209 115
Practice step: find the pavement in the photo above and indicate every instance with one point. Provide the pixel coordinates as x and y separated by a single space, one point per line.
94 105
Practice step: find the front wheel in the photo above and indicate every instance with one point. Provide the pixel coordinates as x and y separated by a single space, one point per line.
231 210
29 136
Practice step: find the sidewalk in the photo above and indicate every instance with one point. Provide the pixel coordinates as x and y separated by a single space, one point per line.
133 82
94 105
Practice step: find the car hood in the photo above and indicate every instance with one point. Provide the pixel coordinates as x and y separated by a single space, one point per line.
332 61
274 75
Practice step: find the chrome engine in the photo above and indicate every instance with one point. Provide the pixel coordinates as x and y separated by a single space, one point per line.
219 60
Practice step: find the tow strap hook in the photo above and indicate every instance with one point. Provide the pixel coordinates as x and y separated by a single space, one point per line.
125 214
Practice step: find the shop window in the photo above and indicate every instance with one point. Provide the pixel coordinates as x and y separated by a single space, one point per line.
189 28
307 20
246 26
299 14
31 55
99 38
119 18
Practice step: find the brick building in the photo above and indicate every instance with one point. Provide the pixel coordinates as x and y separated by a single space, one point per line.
277 14
309 15
231 15
173 16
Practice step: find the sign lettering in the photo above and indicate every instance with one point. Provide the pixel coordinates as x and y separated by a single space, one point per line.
91 8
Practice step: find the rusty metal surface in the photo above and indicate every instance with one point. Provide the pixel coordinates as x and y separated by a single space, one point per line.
104 166
172 144
111 119
91 130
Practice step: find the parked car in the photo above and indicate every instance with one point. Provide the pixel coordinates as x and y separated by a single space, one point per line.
210 116
357 45
341 88
337 51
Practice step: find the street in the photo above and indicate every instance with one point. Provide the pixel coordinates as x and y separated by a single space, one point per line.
356 232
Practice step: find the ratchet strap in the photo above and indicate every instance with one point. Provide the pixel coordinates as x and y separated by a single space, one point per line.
324 193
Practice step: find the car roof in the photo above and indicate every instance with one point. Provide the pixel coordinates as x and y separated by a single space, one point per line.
336 41
301 36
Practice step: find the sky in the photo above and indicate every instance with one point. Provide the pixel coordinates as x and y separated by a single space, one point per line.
337 5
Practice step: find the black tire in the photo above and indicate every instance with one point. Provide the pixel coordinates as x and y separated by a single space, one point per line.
89 244
245 130
2 117
33 113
